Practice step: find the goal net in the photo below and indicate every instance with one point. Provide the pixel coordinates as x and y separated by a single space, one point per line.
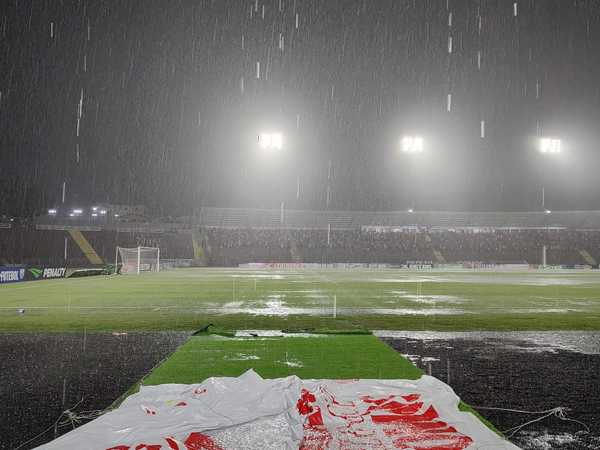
138 259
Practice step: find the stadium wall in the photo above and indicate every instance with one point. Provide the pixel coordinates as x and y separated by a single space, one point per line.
72 247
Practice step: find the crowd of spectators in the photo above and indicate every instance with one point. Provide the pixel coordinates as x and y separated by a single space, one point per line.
342 245
232 246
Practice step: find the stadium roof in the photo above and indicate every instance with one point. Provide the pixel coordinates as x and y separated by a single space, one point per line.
275 218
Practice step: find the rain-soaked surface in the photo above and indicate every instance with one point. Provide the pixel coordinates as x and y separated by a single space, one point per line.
42 375
533 371
45 374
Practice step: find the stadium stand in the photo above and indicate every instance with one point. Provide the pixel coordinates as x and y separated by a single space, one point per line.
228 237
83 247
233 246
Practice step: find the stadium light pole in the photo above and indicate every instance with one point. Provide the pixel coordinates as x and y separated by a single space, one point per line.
412 145
548 146
273 142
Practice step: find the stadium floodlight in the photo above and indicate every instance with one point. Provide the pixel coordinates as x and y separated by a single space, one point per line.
410 210
102 212
116 215
270 141
52 212
412 144
550 145
77 212
94 208
71 215
547 211
94 215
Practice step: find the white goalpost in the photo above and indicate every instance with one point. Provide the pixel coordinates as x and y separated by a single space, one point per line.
137 259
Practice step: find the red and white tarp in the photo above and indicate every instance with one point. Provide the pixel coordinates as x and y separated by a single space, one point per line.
249 412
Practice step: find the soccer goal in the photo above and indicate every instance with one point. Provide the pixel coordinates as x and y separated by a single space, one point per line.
138 259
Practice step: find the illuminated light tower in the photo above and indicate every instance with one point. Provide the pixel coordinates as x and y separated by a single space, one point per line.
411 144
270 141
550 145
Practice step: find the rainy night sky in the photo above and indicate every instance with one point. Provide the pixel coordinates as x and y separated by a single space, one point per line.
160 103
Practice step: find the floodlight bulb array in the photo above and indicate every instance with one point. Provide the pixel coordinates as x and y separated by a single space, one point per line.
270 141
412 144
550 145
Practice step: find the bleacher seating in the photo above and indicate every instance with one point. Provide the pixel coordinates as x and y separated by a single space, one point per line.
230 236
232 246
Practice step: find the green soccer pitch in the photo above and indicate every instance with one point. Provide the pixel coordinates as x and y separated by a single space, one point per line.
328 299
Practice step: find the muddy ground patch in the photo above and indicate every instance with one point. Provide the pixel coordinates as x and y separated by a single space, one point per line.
42 375
524 371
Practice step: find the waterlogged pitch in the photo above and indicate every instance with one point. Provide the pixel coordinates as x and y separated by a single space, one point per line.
325 299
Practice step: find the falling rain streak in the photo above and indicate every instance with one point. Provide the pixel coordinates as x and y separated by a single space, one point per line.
361 75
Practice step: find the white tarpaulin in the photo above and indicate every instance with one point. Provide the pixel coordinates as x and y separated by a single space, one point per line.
249 412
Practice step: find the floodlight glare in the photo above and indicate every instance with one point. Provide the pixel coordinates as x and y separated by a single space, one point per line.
103 212
94 215
550 145
410 210
412 144
77 211
52 212
270 141
548 211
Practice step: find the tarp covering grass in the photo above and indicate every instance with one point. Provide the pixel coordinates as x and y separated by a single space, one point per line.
249 412
342 356
345 357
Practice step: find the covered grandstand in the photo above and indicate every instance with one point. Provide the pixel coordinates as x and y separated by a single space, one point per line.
229 237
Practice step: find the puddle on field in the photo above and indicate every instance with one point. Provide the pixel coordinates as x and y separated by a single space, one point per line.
531 371
423 279
291 363
495 278
544 310
275 333
426 299
41 375
277 309
242 357
276 305
586 342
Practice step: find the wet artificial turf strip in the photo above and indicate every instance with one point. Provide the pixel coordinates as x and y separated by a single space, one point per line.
330 357
186 299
